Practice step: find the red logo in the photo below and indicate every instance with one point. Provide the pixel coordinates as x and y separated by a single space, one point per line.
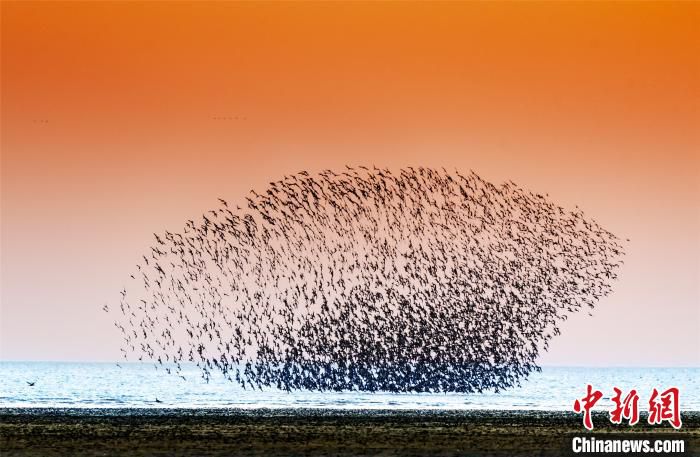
664 406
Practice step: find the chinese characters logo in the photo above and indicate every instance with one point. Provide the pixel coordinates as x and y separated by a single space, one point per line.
663 407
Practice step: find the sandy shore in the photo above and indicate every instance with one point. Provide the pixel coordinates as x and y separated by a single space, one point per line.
181 432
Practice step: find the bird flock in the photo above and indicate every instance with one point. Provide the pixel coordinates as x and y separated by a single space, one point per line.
420 280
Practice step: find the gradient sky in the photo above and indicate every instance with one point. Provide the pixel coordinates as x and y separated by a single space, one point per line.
109 134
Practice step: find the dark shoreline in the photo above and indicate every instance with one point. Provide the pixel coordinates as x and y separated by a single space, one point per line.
223 432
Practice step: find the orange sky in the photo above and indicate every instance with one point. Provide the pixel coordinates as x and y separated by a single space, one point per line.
109 134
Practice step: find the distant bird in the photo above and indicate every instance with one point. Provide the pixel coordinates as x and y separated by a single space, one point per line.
31 383
158 401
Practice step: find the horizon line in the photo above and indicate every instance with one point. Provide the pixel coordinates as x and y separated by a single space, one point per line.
150 362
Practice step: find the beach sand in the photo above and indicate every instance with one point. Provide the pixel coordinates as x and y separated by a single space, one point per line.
290 432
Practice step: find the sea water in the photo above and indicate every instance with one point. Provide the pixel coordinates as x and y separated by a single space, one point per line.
138 385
